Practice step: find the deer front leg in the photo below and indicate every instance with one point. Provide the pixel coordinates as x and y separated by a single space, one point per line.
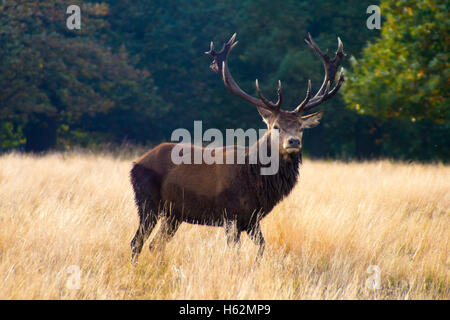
166 232
257 237
232 232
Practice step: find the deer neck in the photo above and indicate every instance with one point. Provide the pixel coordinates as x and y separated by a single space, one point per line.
270 189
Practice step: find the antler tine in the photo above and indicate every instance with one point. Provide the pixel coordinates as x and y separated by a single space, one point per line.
327 95
300 107
327 89
266 101
340 46
233 37
338 85
260 95
314 46
211 51
220 66
330 67
280 97
317 100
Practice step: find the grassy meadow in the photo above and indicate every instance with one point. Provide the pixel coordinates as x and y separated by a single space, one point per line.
77 208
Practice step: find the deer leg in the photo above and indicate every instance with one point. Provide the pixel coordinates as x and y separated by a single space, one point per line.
232 232
257 237
146 195
166 232
146 225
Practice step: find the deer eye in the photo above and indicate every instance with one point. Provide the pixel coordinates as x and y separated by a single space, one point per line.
276 127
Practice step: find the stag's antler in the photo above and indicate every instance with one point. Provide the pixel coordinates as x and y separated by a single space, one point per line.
220 66
331 66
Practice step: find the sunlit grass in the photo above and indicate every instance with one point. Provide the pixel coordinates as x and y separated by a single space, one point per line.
77 209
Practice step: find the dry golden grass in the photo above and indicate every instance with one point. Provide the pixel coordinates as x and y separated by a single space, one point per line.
77 209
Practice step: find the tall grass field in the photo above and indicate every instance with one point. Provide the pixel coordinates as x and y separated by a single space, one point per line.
358 230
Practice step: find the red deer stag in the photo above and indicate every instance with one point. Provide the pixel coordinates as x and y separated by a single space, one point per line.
235 196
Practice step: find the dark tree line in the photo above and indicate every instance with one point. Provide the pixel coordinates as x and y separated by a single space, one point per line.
136 71
61 87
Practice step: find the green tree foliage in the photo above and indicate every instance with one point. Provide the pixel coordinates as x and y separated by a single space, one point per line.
52 76
405 73
403 78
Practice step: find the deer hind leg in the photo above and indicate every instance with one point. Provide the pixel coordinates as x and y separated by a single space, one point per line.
232 232
146 191
257 237
146 225
166 232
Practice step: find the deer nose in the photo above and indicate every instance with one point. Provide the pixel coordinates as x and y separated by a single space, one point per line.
294 143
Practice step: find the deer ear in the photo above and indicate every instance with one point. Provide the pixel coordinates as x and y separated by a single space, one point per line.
265 114
311 120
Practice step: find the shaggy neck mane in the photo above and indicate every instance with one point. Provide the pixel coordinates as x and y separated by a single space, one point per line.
270 189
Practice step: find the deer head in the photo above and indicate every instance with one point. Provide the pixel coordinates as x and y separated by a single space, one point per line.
289 123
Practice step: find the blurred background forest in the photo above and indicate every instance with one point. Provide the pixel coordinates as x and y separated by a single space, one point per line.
136 70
